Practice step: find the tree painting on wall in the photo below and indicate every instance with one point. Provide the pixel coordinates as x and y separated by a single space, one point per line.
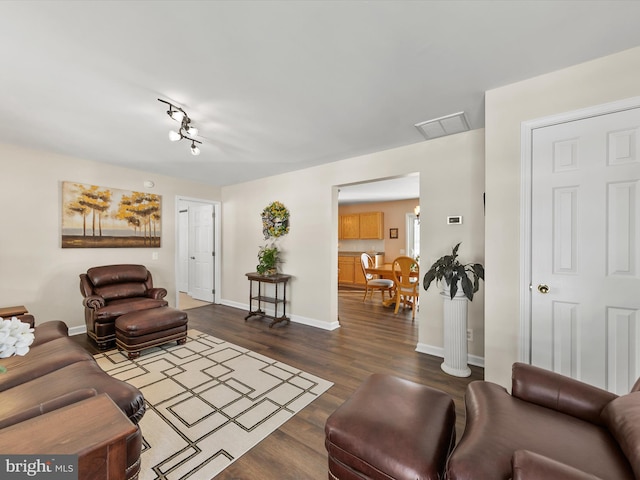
100 217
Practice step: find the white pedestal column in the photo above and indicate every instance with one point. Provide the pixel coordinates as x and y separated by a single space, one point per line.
455 335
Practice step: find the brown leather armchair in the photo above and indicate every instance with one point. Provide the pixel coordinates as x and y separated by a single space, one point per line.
114 290
550 427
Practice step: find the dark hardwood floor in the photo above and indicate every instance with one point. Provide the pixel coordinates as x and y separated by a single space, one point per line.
371 339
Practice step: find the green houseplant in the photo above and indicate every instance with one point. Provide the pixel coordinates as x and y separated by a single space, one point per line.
450 268
268 260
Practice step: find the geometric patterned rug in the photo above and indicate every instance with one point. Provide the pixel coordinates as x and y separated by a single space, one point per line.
208 402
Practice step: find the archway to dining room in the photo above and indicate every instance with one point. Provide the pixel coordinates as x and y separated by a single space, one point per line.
380 218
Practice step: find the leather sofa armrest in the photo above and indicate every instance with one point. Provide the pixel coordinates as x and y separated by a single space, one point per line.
27 318
94 302
532 466
558 392
157 293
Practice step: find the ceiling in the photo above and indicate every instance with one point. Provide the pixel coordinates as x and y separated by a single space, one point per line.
274 86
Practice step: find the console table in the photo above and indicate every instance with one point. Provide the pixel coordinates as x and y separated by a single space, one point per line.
279 279
8 312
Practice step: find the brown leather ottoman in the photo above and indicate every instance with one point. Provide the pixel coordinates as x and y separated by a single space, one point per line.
136 331
391 428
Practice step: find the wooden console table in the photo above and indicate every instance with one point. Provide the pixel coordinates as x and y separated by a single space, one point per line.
8 312
261 297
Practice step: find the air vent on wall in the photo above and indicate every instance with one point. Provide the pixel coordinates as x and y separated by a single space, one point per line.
447 125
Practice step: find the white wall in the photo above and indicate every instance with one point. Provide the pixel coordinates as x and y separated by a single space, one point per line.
451 183
600 81
34 270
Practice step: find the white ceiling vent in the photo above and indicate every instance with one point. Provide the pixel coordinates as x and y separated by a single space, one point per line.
447 125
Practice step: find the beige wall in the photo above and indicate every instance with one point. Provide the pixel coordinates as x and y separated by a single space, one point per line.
34 270
600 81
394 217
451 183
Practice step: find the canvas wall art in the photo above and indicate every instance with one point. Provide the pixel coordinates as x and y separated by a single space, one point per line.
101 217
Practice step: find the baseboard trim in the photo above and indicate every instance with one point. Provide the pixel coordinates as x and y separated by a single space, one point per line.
312 322
77 330
439 352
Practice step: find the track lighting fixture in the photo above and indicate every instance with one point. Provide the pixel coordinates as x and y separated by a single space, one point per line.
186 130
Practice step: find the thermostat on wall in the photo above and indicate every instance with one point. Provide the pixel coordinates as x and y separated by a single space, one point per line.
456 220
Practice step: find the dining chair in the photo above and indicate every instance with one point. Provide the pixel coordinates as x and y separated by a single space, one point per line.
406 284
372 284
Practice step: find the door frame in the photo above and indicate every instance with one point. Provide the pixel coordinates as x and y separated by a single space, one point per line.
526 164
216 244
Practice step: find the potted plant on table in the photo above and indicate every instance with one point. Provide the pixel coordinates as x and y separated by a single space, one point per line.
268 260
455 274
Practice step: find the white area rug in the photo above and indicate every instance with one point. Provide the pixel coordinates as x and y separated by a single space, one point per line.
208 402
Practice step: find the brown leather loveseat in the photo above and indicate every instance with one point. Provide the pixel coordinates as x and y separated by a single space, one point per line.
58 375
114 290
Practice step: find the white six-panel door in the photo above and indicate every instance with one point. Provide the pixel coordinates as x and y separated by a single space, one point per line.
201 266
585 249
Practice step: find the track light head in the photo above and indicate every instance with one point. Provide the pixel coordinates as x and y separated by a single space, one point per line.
177 115
194 148
174 136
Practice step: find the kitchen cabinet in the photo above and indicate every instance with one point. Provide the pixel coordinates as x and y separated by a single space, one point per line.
346 270
350 271
350 226
365 226
372 225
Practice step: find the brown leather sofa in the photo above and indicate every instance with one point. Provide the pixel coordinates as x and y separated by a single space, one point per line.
550 427
55 374
114 290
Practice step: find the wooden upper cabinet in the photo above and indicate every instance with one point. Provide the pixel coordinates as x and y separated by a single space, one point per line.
372 225
350 226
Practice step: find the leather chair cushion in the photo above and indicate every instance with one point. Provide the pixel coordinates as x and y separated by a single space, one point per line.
622 417
391 428
528 466
109 274
116 308
121 290
144 322
498 424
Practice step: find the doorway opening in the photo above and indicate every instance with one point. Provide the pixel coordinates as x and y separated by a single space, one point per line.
377 217
197 241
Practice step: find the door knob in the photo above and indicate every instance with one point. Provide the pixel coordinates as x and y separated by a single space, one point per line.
542 288
193 258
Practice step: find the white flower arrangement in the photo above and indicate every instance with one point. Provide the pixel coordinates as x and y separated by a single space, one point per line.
15 337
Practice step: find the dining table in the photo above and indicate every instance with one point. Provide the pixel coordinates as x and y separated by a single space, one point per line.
386 271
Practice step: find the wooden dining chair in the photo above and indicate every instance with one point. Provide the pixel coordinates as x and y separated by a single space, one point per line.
406 285
372 284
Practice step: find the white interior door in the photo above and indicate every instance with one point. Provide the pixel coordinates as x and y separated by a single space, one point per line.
201 252
585 242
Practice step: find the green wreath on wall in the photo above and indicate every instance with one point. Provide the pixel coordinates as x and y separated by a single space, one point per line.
275 220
